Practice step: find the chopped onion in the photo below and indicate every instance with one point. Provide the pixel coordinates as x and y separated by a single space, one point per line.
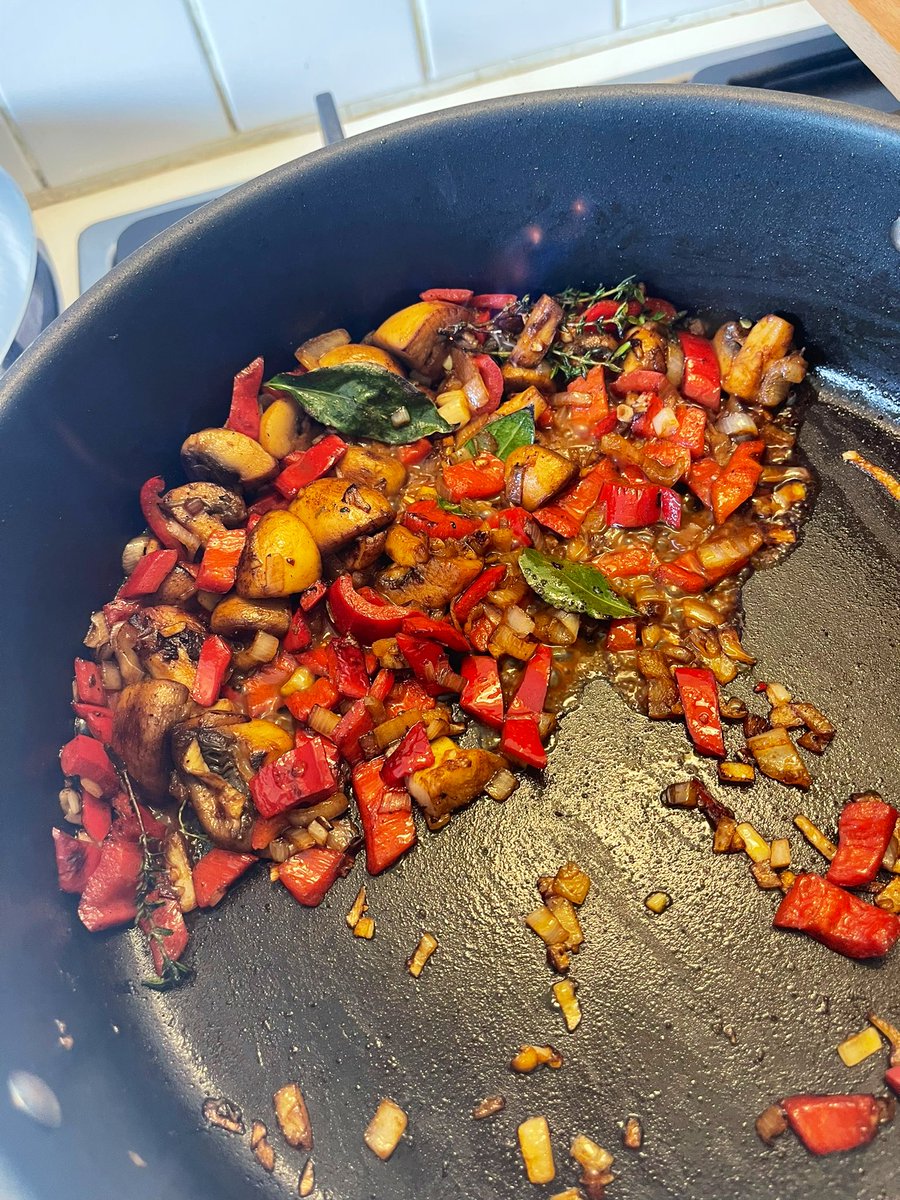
263 648
111 677
208 600
756 846
293 1116
326 810
322 721
736 423
777 693
395 800
311 351
342 836
98 632
488 1107
400 417
545 925
519 621
664 423
564 995
815 836
394 729
357 908
624 413
674 362
319 831
504 641
529 1058
537 1151
445 677
385 1129
415 964
136 549
771 1124
307 1182
777 757
70 803
501 785
854 1050
658 902
364 928
699 613
589 1156
259 1144
632 1134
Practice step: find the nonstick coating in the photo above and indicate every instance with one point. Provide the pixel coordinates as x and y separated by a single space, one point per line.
693 1020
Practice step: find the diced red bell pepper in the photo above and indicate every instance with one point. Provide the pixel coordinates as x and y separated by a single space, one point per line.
386 816
702 380
354 724
406 695
488 581
737 481
132 825
381 685
309 874
531 693
96 816
826 1124
639 381
413 753
350 675
110 894
302 776
438 631
427 516
298 636
85 757
625 564
267 501
492 378
892 1078
521 737
89 683
425 659
670 507
700 480
448 295
313 594
302 740
567 513
322 693
674 574
261 691
321 660
150 574
219 565
212 666
150 495
604 310
311 464
244 414
666 311
482 695
264 830
699 695
493 300
691 432
353 613
621 635
477 479
516 521
865 829
119 610
167 925
481 631
98 719
76 861
630 505
216 871
414 452
837 919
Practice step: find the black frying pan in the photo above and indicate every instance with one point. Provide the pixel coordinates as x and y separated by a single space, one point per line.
695 1020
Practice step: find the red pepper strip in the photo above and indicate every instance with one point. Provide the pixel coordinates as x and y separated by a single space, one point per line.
701 478
85 757
150 574
492 378
477 479
212 665
738 480
76 861
675 575
88 683
99 720
298 636
216 871
642 425
691 432
353 613
488 581
521 737
670 507
639 381
826 1124
481 632
263 831
532 690
602 310
702 380
119 610
424 658
268 501
892 1078
301 776
261 691
629 505
621 635
406 695
567 514
699 694
165 922
625 564
96 817
110 894
427 516
350 675
482 695
653 305
413 753
389 831
322 693
438 631
309 465
303 739
865 829
219 565
837 919
130 825
321 660
354 724
493 300
244 414
415 452
381 685
309 874
449 295
589 402
156 522
514 519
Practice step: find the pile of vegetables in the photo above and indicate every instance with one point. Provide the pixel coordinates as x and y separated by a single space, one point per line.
382 574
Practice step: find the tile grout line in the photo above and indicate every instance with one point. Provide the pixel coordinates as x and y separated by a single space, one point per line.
207 49
21 143
421 35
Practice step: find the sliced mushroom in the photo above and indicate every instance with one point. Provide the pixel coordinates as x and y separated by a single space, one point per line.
414 334
431 585
144 716
204 508
336 512
280 558
649 350
168 642
534 474
227 457
373 468
204 753
456 778
406 548
178 586
365 551
178 865
536 338
235 616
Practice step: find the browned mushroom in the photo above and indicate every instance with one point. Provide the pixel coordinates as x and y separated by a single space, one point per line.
204 508
144 716
226 457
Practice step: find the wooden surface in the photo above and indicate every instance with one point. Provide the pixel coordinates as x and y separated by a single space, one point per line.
872 29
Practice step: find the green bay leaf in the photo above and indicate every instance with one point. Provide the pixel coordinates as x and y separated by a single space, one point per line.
573 587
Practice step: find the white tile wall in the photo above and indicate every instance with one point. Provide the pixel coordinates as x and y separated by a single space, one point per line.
275 56
467 35
641 12
99 84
